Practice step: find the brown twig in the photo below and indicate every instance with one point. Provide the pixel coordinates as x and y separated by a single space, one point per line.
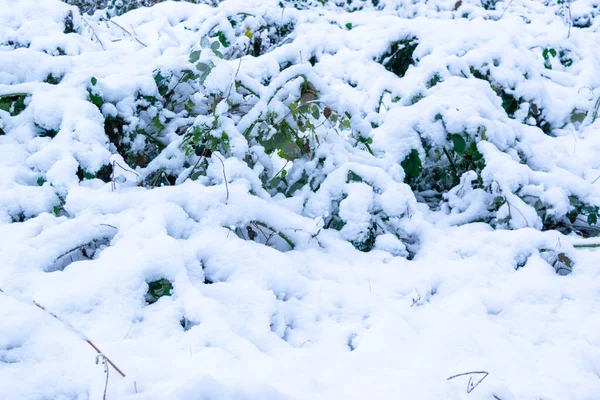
82 336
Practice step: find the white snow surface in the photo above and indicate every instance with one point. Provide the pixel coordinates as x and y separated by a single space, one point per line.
324 320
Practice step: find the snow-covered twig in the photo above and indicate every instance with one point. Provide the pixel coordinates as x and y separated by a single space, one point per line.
470 384
224 176
94 34
127 32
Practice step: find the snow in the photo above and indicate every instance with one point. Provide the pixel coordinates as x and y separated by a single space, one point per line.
441 293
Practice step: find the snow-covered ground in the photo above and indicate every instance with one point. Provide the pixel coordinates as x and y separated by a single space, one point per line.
470 283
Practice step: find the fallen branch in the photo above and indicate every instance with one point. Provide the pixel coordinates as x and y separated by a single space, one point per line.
82 336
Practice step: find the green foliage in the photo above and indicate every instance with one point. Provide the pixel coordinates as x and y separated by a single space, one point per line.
69 25
412 166
158 289
547 53
95 98
13 103
400 55
53 79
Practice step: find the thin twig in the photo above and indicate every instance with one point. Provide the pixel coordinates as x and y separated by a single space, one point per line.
224 176
470 385
570 22
94 34
235 76
106 371
81 335
110 226
506 8
127 32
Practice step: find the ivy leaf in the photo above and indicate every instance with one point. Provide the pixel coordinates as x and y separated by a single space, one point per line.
458 143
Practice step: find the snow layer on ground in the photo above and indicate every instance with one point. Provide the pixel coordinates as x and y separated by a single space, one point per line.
323 321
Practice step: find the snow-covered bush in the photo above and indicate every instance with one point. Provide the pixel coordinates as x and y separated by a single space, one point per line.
263 195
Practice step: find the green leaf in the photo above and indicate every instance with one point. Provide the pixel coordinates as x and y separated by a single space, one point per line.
458 143
274 182
349 25
500 200
96 99
13 103
552 52
215 45
94 81
195 56
577 116
539 205
204 42
315 113
88 175
218 53
294 108
203 76
290 151
353 177
592 219
158 289
412 164
196 175
223 39
346 123
202 67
